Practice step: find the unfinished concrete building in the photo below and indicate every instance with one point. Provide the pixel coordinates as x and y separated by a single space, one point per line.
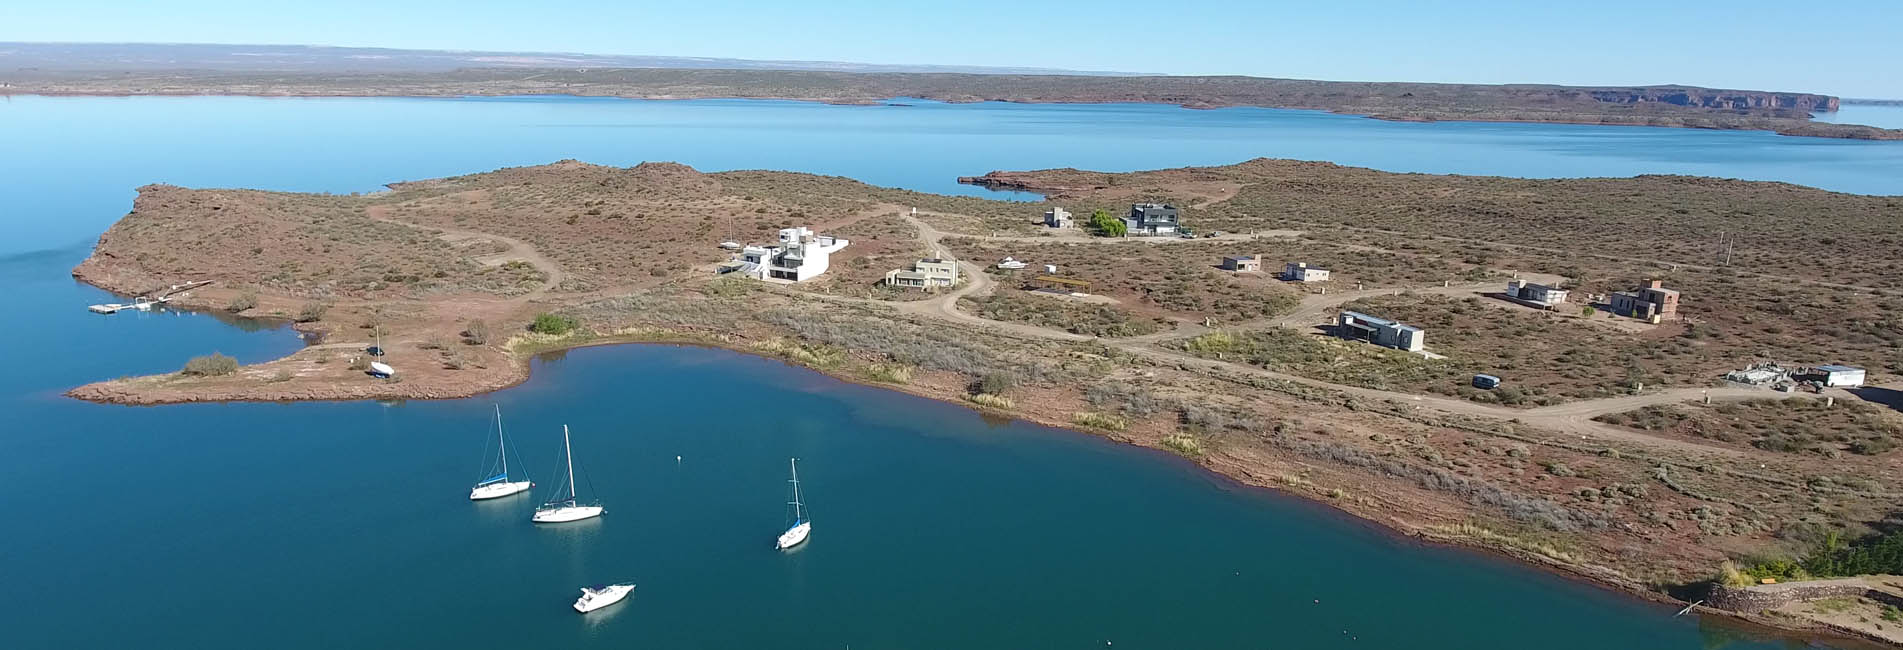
1653 302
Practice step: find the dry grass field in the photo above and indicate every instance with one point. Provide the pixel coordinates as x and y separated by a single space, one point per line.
1791 425
1177 279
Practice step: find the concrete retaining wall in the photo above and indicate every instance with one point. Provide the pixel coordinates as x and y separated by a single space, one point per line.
1757 598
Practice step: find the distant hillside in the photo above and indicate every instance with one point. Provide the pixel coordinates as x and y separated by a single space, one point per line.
299 71
316 58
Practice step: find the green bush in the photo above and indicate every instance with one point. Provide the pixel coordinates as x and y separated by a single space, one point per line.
210 365
547 323
1876 554
312 311
996 383
244 301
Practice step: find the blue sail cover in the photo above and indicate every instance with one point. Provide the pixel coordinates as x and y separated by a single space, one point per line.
493 479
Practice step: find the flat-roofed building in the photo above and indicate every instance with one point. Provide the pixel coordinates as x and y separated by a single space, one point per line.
1381 331
929 273
1534 294
1302 272
1242 263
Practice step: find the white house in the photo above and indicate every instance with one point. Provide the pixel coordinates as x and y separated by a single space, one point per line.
930 273
1302 272
800 256
1057 218
1535 294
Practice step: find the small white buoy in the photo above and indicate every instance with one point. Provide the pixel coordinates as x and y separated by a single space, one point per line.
677 460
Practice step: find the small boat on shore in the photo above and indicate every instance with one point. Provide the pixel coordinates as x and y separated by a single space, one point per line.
498 484
569 508
801 528
599 596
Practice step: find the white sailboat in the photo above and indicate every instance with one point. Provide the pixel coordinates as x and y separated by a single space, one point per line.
795 535
498 485
566 509
599 596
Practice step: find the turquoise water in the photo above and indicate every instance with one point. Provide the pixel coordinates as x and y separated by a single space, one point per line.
346 524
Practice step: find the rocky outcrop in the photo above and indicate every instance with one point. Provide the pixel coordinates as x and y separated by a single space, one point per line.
1783 104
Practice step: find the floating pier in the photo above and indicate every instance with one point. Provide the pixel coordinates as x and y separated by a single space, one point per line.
143 303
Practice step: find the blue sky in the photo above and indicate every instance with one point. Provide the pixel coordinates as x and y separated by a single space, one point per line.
1842 47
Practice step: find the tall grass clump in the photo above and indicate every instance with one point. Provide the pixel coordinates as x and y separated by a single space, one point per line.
1097 420
1184 445
890 373
993 401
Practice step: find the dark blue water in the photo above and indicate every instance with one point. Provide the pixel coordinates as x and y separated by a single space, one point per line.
346 524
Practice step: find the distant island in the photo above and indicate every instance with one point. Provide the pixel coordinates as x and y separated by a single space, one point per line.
1605 444
82 69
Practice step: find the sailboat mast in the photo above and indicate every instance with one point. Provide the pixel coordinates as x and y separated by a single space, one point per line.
570 452
794 462
502 445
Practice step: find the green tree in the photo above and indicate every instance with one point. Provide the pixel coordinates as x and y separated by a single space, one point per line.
547 323
1107 225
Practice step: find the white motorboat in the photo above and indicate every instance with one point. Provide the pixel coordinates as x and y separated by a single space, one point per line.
1011 264
599 596
730 245
566 508
498 484
801 528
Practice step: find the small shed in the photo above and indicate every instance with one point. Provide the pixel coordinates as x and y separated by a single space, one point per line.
1242 263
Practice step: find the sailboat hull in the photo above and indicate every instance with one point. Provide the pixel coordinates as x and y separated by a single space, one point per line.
499 490
794 536
565 514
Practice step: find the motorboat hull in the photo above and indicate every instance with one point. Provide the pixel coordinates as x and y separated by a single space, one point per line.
499 490
566 513
597 598
794 536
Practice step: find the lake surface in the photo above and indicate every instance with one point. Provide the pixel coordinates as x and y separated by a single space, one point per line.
346 524
1881 115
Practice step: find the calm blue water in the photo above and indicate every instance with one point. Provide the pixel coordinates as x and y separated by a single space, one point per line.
345 524
1889 117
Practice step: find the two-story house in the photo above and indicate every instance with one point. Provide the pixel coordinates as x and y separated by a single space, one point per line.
1151 220
800 256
